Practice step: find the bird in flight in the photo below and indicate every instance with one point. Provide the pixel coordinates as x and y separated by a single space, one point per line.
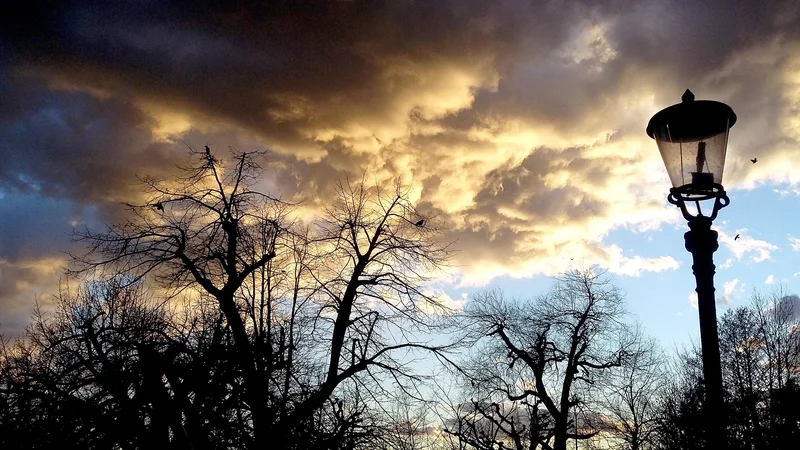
420 222
736 237
159 206
754 160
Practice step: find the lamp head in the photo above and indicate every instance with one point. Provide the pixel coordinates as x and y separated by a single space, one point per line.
692 137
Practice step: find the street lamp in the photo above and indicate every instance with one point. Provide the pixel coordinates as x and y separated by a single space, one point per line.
692 137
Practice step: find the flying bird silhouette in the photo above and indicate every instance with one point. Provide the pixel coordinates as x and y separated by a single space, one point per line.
420 222
736 237
159 206
754 160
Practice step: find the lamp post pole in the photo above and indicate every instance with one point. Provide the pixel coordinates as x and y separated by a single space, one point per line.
701 242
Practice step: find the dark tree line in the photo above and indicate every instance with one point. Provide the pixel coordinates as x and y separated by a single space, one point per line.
760 351
211 319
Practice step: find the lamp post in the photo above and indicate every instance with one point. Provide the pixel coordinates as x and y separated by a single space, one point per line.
692 137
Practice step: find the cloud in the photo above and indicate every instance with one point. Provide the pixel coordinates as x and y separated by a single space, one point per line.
730 289
75 146
636 265
786 192
21 284
794 242
520 125
34 226
770 279
727 264
758 250
790 303
445 300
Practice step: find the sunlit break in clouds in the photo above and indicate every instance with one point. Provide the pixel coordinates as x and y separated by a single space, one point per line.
519 125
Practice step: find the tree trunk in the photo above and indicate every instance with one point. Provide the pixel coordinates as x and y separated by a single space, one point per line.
254 389
560 434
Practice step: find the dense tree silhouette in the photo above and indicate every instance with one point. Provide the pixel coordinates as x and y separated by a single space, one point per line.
680 415
630 404
760 352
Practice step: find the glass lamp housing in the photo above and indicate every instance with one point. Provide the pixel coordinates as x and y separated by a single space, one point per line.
692 137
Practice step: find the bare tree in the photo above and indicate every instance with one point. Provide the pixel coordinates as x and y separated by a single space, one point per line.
680 418
488 425
349 287
207 230
93 358
555 352
778 321
630 403
408 426
742 354
759 348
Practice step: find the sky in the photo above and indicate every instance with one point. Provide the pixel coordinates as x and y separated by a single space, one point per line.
520 127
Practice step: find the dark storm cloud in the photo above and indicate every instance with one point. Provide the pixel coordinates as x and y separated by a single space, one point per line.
34 231
693 39
213 55
262 66
73 145
35 227
20 286
292 70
